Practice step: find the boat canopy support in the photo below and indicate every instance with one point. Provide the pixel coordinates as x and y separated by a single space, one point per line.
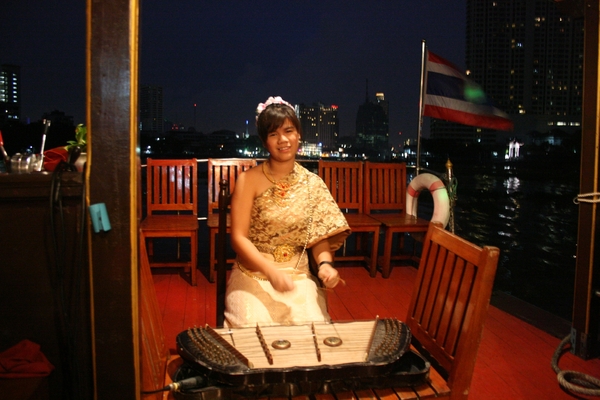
585 341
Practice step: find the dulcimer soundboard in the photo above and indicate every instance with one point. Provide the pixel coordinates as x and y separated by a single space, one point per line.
357 351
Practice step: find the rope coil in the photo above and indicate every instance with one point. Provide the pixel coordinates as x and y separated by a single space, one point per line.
584 198
576 382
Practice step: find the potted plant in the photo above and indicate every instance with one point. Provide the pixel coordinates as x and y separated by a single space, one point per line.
80 139
77 148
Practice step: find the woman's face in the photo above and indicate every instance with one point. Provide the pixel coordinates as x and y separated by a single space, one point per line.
283 143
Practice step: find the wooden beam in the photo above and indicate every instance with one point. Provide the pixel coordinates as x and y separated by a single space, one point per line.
112 177
586 303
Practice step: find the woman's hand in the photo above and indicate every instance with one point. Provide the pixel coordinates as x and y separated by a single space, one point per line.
280 281
329 276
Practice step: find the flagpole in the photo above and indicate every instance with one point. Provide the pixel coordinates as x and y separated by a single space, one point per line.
421 104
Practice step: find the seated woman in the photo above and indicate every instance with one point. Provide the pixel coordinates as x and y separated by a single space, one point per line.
280 210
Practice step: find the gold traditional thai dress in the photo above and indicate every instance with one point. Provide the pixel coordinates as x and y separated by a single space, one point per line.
295 213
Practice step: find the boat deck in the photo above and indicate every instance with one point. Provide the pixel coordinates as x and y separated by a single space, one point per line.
514 359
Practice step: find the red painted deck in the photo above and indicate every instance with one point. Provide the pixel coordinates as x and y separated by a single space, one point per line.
514 359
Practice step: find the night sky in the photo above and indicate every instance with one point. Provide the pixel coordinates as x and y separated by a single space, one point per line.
227 56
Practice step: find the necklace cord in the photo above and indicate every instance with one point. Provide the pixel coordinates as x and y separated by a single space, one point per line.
267 173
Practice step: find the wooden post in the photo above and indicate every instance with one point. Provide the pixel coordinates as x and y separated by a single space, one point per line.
112 177
586 302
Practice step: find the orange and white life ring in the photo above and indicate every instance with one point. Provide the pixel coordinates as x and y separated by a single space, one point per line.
441 201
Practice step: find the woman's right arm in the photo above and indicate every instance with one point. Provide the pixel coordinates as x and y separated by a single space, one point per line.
241 209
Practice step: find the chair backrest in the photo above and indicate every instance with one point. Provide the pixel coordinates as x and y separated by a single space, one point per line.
171 185
228 169
384 187
345 182
450 301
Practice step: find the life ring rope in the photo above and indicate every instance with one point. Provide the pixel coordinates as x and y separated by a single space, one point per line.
436 185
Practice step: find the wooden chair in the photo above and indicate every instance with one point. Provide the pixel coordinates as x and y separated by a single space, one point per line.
224 199
154 353
345 181
447 310
385 200
219 169
172 209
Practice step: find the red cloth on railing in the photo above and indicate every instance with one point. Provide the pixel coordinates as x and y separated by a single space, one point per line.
53 157
24 360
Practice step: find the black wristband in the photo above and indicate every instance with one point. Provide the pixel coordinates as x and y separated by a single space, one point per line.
325 262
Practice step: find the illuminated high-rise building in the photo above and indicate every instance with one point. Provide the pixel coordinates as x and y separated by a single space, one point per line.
380 98
372 123
151 109
10 92
319 124
528 58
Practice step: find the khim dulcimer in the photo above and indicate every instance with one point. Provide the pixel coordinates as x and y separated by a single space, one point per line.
359 353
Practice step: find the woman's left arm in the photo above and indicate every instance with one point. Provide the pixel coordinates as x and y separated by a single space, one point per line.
323 256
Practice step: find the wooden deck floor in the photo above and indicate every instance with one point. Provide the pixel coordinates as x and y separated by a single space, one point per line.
514 359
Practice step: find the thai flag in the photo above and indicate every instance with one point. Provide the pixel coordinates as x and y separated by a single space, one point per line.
450 95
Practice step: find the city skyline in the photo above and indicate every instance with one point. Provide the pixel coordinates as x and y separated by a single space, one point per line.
227 58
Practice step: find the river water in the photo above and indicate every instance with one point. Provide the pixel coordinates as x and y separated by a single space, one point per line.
526 209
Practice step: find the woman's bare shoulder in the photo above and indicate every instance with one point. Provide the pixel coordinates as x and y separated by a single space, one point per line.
252 180
252 175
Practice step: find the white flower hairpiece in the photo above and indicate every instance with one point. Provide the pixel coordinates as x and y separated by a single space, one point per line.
271 100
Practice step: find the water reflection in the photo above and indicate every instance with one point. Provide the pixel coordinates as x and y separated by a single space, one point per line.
530 216
512 184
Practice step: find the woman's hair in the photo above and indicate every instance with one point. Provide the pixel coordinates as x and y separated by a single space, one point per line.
272 117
